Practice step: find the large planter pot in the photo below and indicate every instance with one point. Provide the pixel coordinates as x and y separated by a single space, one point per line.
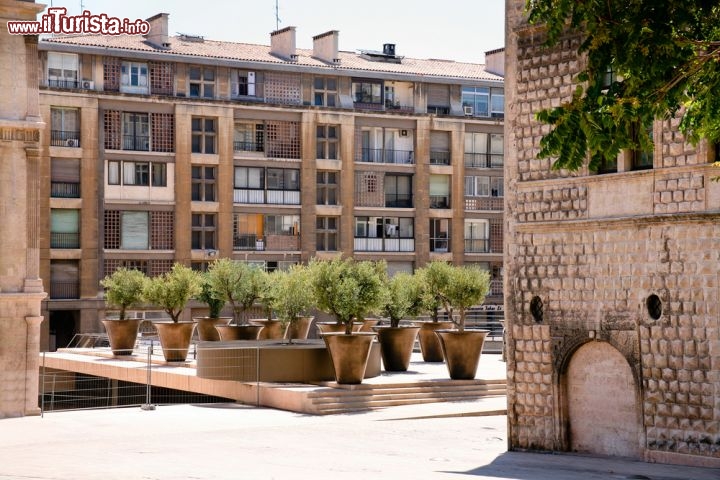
239 332
122 335
272 329
299 329
334 327
368 324
396 346
175 339
462 351
349 355
206 327
429 342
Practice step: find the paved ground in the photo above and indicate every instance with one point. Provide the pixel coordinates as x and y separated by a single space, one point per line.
241 442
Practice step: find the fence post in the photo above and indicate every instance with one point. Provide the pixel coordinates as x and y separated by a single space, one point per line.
148 387
42 388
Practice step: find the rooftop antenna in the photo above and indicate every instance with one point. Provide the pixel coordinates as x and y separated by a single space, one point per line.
277 16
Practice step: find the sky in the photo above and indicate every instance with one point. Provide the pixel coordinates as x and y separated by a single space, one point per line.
460 30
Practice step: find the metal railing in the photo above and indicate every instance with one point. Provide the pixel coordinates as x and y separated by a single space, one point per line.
56 83
440 244
439 201
64 138
65 189
247 242
477 245
484 160
398 200
64 290
380 155
438 157
248 147
136 142
64 240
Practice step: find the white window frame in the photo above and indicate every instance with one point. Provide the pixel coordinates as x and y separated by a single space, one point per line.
134 77
67 66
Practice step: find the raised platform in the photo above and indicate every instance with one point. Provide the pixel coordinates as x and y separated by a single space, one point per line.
423 383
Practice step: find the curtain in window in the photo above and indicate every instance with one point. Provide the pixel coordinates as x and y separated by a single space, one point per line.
134 231
439 185
63 220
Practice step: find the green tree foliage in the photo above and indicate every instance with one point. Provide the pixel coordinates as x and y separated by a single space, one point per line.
434 278
172 290
238 283
665 60
403 298
468 286
291 293
124 289
211 298
348 289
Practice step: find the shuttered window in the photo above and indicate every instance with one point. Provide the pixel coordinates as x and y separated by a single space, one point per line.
134 231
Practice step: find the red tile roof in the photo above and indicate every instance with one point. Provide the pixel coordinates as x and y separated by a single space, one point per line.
261 53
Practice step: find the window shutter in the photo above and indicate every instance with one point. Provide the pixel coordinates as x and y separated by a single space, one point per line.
63 220
439 185
440 141
134 231
438 95
65 170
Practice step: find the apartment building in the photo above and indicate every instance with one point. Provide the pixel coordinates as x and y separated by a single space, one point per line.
178 148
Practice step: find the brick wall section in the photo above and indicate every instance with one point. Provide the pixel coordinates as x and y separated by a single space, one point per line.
552 204
679 192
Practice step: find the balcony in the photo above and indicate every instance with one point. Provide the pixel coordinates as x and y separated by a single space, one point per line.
398 107
57 83
484 160
384 244
496 288
64 290
398 200
248 147
379 155
440 244
484 203
253 242
65 189
477 245
271 197
136 142
438 157
64 240
63 138
440 201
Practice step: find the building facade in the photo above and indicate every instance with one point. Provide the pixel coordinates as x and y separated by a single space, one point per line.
612 293
162 149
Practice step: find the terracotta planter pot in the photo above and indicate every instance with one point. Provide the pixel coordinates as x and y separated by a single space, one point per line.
299 329
368 324
429 342
349 354
272 329
239 332
333 327
396 346
206 327
122 335
175 339
462 351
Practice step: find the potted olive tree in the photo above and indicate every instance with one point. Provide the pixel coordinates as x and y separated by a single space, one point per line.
434 278
468 286
206 325
292 298
348 289
240 285
403 298
171 291
123 290
272 327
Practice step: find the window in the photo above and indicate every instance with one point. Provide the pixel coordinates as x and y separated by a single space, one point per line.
398 191
477 236
484 150
327 188
483 186
203 135
642 159
282 225
328 141
244 83
439 191
367 91
134 231
325 91
384 234
136 131
65 127
64 228
483 101
203 183
326 234
440 235
140 174
249 137
63 70
134 77
250 177
248 232
283 179
203 231
64 279
202 82
497 189
65 178
497 102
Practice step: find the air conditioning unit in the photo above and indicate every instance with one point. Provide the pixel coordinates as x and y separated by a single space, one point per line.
72 142
468 110
88 85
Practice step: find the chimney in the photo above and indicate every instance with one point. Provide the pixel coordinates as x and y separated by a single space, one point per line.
495 62
158 34
282 43
325 46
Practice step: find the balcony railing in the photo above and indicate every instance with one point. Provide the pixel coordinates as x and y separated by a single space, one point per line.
64 290
57 83
484 203
65 189
247 242
273 197
379 155
384 245
398 200
136 142
64 240
63 138
496 287
438 157
484 160
439 201
440 244
477 245
248 147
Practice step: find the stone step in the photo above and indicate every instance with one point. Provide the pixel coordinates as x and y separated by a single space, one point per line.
345 395
347 407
